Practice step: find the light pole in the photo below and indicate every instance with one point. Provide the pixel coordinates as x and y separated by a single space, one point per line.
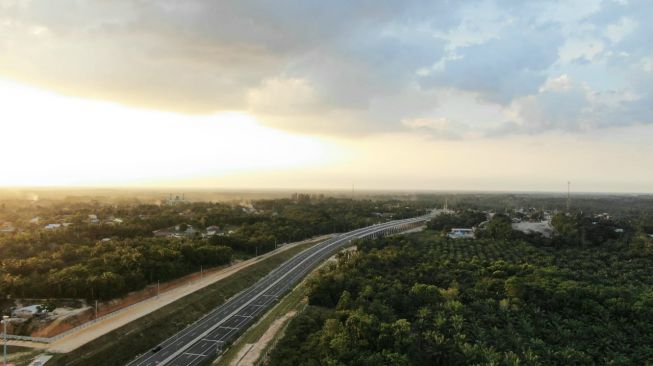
5 319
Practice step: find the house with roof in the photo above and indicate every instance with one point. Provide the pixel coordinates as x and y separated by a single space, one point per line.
28 311
177 231
7 227
212 230
93 219
461 233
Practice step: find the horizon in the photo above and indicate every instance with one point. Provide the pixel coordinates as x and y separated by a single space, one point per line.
340 191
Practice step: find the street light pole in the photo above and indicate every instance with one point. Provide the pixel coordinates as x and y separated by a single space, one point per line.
5 319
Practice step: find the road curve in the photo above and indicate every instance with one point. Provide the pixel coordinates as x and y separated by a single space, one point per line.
204 339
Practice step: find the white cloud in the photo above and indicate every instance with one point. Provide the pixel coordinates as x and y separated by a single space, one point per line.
439 124
580 49
618 31
559 83
281 95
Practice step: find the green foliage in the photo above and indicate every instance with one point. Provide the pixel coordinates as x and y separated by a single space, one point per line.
462 219
75 262
499 227
107 269
424 300
48 306
581 230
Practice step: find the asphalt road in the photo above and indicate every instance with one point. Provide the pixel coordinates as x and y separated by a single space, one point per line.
203 340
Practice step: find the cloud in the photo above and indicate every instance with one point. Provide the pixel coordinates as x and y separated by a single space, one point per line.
347 68
618 31
438 126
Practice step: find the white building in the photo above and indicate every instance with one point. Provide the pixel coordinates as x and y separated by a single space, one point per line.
176 200
460 233
26 312
92 219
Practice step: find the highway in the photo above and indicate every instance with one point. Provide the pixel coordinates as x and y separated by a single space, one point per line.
206 338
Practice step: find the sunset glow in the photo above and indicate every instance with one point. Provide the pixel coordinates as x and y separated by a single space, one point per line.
54 140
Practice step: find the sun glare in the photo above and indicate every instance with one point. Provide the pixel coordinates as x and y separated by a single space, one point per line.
48 139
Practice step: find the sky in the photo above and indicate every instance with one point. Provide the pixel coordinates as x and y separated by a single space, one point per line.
402 95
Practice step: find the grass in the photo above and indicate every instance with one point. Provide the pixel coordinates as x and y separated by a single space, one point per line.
123 344
20 356
292 301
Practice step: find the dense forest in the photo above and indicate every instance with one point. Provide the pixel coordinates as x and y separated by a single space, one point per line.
424 299
117 252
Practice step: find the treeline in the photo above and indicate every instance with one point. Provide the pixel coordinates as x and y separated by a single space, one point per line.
576 229
106 270
109 259
426 300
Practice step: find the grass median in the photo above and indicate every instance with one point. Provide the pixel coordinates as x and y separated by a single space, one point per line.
123 344
292 301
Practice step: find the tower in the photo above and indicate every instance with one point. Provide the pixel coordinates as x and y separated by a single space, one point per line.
568 196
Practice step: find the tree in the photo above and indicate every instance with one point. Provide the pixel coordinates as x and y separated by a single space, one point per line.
499 227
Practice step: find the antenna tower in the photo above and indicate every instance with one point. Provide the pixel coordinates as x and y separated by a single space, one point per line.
568 196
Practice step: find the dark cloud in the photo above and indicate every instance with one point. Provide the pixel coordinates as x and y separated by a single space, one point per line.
501 69
340 66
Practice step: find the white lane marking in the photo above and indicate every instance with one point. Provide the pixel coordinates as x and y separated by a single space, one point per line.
356 234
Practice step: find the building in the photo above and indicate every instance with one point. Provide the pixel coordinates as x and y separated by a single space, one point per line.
542 227
177 231
461 233
7 227
176 200
92 219
212 230
27 311
52 226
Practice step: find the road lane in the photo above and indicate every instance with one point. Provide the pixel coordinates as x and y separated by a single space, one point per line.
203 340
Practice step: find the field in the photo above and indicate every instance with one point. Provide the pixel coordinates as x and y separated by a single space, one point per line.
423 299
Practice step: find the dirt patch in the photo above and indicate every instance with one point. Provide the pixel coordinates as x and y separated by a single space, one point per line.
252 352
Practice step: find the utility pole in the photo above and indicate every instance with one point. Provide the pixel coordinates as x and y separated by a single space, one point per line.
157 288
5 319
568 196
352 196
95 309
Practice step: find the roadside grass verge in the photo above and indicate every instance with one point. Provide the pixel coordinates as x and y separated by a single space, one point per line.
292 301
20 356
125 343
